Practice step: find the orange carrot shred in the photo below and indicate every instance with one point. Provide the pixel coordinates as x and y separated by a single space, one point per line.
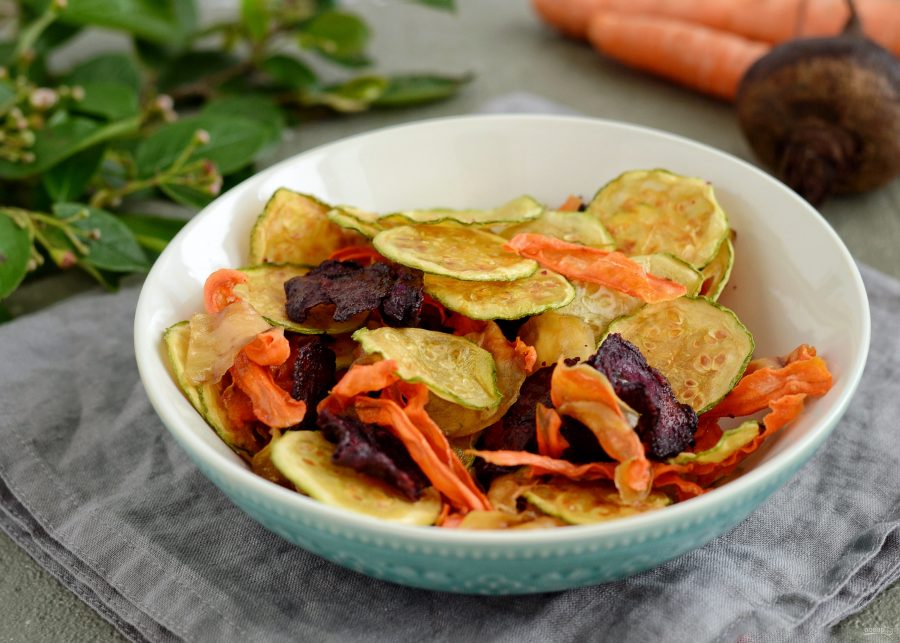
218 291
611 269
390 415
551 442
528 355
361 378
463 325
543 465
571 204
272 405
417 398
755 391
269 348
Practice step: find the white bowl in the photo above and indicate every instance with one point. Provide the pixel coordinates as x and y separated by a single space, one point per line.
793 282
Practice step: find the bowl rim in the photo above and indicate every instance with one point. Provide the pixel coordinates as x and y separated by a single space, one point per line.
712 502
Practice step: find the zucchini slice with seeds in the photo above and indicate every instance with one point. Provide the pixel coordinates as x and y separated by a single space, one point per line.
453 251
731 441
649 211
598 305
353 219
264 291
544 290
583 503
699 346
294 228
304 458
452 368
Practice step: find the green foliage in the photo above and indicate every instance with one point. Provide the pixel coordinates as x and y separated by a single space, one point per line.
185 115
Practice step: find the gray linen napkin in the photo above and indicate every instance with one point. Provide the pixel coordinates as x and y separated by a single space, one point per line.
94 489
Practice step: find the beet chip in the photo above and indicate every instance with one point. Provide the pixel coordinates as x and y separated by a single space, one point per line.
353 289
313 375
666 427
370 449
350 287
401 305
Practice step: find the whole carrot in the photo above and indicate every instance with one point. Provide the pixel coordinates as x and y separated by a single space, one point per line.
698 57
772 21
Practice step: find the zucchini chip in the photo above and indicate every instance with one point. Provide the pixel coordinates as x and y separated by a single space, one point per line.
523 208
583 503
574 227
716 273
649 211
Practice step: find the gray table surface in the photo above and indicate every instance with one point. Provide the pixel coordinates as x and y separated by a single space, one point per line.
508 50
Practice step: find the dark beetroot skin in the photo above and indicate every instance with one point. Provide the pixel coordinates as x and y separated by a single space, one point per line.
313 375
396 292
666 427
824 113
372 450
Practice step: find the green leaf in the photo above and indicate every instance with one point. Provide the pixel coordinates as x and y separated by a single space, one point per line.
446 5
15 250
7 96
255 14
68 180
415 89
186 195
115 248
161 21
111 101
152 232
192 66
64 139
289 73
354 95
233 143
106 68
255 107
337 35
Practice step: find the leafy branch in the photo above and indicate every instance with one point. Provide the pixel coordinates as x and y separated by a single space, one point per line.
182 116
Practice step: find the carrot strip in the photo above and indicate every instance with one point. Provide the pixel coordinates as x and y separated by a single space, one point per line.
692 55
417 398
770 21
361 378
755 391
551 442
218 291
463 325
391 415
571 204
543 465
365 255
528 355
684 488
272 405
269 348
611 269
707 434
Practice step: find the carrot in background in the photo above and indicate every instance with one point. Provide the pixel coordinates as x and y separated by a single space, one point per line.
771 21
218 290
695 56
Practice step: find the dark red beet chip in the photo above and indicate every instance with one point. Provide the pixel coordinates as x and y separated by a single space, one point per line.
666 427
313 375
401 305
372 450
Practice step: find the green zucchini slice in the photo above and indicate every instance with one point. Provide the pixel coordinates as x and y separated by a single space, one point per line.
699 346
583 503
573 227
304 458
205 398
294 228
452 368
354 219
667 266
544 290
598 305
649 211
731 441
453 251
264 291
523 208
717 272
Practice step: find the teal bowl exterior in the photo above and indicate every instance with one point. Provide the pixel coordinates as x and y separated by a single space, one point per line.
788 256
489 563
